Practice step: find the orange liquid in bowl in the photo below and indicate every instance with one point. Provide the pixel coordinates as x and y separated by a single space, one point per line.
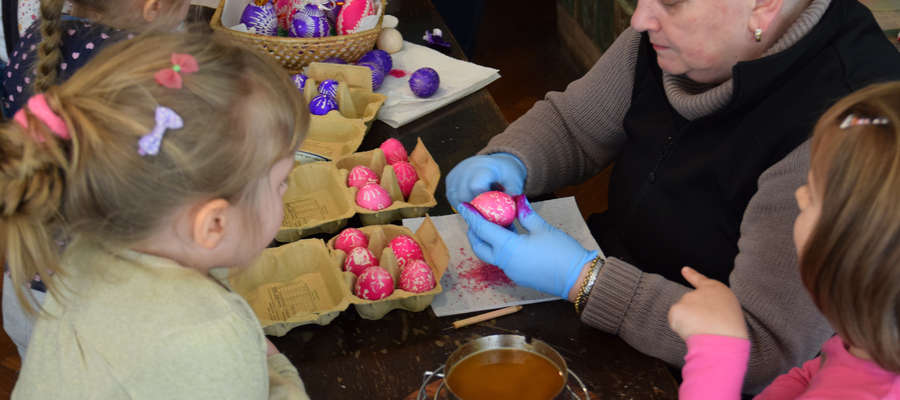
501 374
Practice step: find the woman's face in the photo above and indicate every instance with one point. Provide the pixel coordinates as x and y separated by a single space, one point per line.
702 39
809 200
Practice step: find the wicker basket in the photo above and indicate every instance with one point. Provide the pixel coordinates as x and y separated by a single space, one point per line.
295 53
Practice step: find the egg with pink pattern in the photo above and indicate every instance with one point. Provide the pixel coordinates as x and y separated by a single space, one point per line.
373 197
405 249
374 283
393 151
360 176
497 207
350 239
417 277
406 176
358 260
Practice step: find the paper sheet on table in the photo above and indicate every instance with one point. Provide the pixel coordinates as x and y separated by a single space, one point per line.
470 285
458 79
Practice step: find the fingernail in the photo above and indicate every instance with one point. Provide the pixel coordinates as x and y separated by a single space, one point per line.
523 207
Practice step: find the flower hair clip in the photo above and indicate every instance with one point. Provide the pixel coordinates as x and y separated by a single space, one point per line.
181 64
853 120
166 119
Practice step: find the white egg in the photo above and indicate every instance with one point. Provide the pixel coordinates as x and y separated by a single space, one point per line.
390 40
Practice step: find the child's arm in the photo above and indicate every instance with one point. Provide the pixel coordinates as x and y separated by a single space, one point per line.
710 320
284 380
792 384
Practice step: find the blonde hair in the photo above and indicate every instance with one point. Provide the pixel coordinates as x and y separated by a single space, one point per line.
118 13
241 114
851 262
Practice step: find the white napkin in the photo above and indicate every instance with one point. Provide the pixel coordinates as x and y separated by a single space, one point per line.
458 79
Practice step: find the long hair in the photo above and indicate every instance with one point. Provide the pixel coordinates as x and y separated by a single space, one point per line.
851 262
240 113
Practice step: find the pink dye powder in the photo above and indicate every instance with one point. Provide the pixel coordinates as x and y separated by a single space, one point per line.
476 276
397 73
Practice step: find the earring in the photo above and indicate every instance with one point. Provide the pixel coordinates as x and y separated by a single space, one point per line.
757 34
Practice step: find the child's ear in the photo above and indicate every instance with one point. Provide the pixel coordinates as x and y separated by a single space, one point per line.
209 223
152 9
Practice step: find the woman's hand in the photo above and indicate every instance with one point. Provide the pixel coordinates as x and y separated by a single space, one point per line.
478 174
710 309
543 258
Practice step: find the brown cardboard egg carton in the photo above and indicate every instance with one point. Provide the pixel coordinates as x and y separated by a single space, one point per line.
304 283
318 199
338 134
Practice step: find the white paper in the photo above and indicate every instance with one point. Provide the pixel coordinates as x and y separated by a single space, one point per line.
463 292
231 13
458 79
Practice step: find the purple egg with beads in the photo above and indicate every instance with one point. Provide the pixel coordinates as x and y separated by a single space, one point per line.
424 82
380 57
377 73
299 80
259 17
334 60
322 104
328 87
310 22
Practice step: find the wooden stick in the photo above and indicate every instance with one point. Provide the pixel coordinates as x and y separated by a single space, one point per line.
486 316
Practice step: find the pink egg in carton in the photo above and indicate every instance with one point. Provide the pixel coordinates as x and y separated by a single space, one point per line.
304 282
319 199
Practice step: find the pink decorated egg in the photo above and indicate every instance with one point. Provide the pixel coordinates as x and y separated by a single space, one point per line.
352 13
358 259
360 176
374 283
405 249
497 207
393 151
350 239
285 10
406 176
373 197
417 277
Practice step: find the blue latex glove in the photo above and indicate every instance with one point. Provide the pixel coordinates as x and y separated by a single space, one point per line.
544 258
477 174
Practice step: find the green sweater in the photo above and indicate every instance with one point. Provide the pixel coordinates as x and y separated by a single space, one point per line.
135 326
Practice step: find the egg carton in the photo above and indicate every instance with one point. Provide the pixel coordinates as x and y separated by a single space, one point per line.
318 200
338 134
303 282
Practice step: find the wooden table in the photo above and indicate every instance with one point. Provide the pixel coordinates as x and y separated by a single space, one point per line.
353 358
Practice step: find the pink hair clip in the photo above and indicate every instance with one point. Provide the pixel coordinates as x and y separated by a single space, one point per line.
171 77
853 120
37 104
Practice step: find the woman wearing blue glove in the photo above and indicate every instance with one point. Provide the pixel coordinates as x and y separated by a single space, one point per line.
705 107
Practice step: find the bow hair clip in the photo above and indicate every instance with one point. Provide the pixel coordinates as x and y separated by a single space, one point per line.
853 120
166 119
181 64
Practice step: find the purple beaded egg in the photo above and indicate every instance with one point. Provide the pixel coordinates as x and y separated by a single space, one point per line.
334 60
259 17
322 104
328 87
424 82
310 22
377 73
380 57
299 80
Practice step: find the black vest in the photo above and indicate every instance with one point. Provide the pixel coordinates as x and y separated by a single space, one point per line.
679 188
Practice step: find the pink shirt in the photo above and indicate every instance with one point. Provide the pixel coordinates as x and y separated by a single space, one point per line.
715 366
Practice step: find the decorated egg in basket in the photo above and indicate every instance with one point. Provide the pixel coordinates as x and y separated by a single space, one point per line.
259 17
352 12
310 22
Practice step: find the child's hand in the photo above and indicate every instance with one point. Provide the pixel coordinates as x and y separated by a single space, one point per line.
710 309
270 348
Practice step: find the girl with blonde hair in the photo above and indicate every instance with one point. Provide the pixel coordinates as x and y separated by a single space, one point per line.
847 237
165 157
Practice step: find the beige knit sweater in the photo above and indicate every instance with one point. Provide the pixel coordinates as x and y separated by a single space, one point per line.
135 326
571 135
